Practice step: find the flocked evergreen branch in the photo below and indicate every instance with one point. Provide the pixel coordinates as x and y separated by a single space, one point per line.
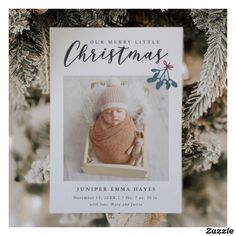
103 17
16 96
39 172
18 21
90 18
25 55
29 40
21 68
40 35
216 118
29 52
115 17
197 156
213 75
23 63
202 159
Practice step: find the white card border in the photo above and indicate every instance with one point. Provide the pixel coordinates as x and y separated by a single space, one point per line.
60 190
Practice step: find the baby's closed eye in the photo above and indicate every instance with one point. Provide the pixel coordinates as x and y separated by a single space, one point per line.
111 110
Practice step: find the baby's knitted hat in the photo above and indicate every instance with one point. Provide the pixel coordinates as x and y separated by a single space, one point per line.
114 96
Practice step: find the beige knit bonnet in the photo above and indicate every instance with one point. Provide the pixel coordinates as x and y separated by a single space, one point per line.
113 96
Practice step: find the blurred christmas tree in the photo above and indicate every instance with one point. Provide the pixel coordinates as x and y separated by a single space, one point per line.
204 112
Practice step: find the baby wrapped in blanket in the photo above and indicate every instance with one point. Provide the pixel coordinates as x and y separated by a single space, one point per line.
114 136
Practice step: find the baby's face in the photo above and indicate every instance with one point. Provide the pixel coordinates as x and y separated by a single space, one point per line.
114 116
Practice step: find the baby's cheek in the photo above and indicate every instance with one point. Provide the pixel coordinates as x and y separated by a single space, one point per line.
122 117
107 116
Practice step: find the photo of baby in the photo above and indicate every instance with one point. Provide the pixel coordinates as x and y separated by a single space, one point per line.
116 139
114 117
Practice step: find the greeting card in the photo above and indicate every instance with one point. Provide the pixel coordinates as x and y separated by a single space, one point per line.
116 97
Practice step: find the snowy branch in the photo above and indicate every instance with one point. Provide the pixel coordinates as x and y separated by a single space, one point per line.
213 75
39 172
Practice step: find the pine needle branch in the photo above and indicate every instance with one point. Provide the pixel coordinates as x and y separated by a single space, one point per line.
18 22
197 156
16 96
213 75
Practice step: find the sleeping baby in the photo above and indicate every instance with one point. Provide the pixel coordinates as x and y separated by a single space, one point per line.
114 136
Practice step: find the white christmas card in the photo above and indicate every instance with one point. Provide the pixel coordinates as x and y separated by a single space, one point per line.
116 96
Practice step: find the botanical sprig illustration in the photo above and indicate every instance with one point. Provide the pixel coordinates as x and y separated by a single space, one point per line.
162 76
